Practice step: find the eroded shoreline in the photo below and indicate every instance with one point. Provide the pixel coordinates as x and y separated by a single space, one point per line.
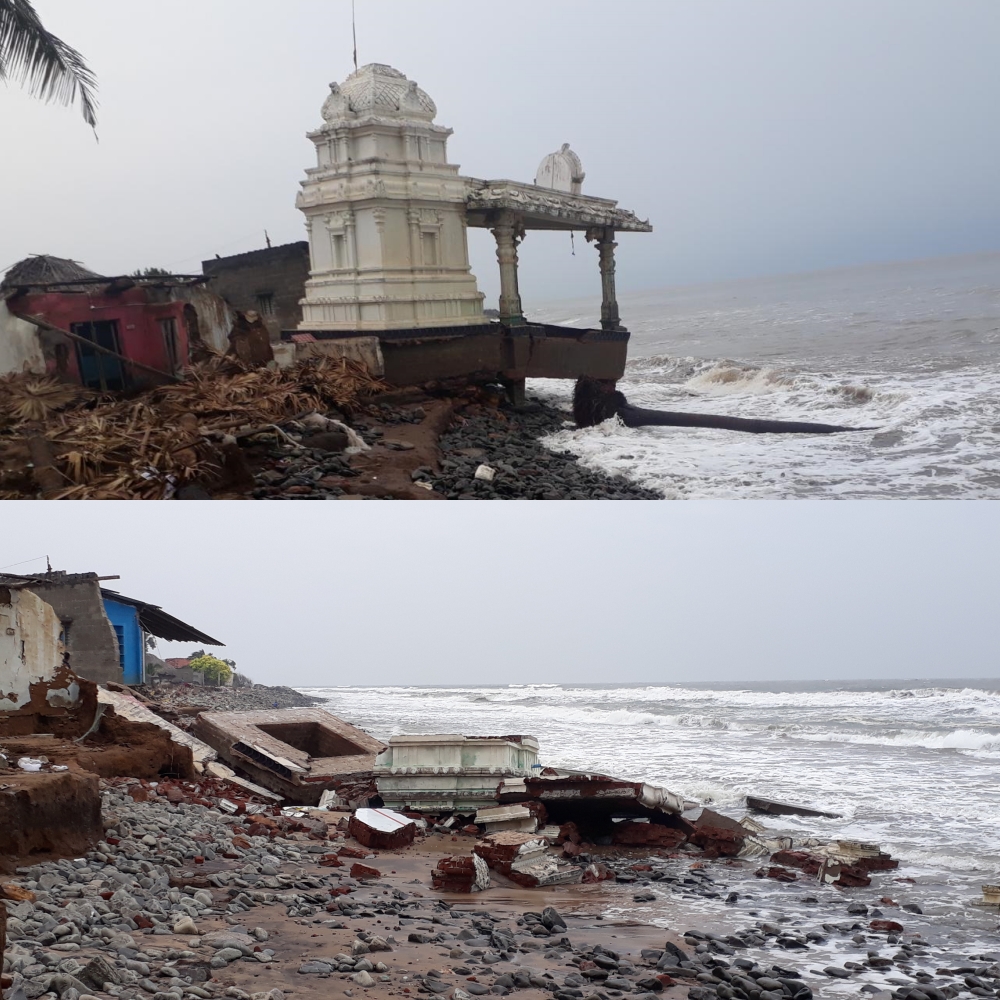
183 900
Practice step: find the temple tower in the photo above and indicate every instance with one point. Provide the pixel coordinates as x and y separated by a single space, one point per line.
385 213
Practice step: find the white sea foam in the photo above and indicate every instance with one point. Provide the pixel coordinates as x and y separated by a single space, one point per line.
912 767
909 349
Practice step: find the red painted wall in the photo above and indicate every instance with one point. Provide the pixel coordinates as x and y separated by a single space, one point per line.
139 331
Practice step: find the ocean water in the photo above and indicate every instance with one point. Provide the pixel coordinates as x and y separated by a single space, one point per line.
911 765
910 348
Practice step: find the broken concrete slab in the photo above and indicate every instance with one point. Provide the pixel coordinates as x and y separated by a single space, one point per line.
510 817
543 870
296 752
569 795
382 829
991 897
758 804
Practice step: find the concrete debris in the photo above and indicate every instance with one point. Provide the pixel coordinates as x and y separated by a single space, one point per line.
715 834
296 752
991 896
216 769
523 859
757 804
30 764
642 833
446 773
497 818
381 828
460 874
866 856
543 870
591 800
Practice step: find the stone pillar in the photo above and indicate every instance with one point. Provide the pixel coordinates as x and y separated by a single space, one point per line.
508 233
413 217
605 240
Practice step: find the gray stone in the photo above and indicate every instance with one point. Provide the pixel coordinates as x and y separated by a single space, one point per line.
315 969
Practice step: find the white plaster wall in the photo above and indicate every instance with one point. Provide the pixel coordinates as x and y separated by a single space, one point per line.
20 348
215 315
30 650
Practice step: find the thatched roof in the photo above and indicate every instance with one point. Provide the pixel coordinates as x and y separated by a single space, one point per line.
43 269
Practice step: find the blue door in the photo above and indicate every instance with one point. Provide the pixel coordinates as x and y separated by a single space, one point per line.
125 621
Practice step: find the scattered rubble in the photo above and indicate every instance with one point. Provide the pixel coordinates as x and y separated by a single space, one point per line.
62 444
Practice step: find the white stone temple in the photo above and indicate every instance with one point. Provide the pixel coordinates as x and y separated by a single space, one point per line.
387 218
385 213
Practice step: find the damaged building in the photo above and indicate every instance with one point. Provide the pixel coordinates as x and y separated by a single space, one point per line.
104 633
103 332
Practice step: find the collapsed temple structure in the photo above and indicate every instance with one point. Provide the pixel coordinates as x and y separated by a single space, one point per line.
387 218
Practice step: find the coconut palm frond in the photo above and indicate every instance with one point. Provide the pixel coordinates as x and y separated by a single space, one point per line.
46 65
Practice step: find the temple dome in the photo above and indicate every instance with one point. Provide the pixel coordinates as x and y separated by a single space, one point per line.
380 91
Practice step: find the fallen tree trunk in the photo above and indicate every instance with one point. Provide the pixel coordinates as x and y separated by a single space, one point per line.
595 401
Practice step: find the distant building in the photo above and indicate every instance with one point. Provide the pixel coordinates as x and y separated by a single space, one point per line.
271 282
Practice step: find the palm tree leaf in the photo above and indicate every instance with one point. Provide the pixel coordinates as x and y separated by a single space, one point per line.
46 65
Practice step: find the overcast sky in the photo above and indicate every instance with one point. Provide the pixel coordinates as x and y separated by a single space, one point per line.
494 593
765 137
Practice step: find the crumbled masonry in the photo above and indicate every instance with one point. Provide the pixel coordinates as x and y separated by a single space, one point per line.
192 888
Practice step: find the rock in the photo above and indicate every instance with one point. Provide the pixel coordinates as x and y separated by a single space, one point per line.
61 982
317 969
185 926
334 441
551 919
97 972
886 925
228 954
363 979
226 939
363 872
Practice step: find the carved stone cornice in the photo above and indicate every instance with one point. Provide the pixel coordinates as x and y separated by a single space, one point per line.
542 205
